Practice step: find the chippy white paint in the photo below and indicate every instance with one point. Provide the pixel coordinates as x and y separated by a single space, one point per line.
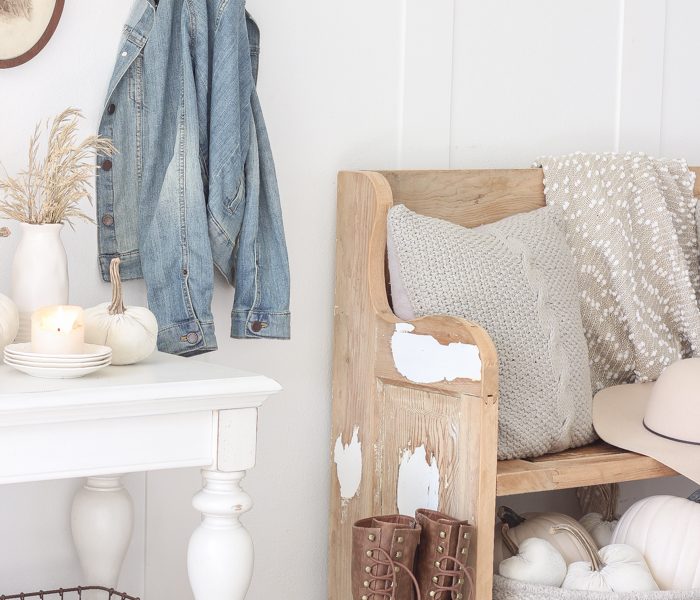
348 462
422 359
418 482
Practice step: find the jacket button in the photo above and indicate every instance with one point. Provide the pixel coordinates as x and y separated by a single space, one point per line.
107 165
192 337
111 108
256 326
108 220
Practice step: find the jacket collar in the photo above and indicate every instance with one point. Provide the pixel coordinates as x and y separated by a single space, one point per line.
136 31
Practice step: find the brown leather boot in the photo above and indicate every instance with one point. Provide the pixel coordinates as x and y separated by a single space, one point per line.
441 559
383 552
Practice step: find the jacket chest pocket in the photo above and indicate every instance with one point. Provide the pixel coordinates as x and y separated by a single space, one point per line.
135 79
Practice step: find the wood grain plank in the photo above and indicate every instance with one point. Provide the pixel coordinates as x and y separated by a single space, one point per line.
468 198
592 465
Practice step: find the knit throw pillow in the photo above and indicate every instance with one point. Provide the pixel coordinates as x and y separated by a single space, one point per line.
516 279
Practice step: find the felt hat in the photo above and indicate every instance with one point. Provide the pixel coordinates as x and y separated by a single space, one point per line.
660 419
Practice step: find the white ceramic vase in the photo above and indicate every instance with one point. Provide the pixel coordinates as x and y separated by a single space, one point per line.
39 273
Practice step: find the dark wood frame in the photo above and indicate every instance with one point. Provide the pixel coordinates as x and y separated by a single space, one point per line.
41 42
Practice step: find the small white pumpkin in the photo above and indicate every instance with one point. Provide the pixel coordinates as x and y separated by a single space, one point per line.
9 321
538 525
130 331
616 568
534 560
602 526
666 530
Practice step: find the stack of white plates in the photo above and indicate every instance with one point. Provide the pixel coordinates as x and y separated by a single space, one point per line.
57 366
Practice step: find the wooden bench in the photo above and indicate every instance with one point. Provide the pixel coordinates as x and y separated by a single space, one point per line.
383 420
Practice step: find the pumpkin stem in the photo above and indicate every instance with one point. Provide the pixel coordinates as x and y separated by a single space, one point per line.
5 232
610 493
583 541
117 305
508 541
509 516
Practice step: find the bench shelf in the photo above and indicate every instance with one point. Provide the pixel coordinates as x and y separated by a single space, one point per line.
591 465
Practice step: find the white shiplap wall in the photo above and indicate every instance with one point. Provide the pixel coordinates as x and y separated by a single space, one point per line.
361 84
530 78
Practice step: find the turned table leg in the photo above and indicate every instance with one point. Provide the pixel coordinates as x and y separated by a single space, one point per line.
102 520
220 554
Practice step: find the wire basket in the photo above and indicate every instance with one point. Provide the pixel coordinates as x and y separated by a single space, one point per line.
75 593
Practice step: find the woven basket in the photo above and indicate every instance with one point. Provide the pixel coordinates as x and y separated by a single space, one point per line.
508 589
75 593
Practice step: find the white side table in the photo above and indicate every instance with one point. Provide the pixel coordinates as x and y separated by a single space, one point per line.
164 413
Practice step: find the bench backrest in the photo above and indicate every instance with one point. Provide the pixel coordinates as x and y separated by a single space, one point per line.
474 197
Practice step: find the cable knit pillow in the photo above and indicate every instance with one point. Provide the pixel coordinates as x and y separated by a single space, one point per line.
516 279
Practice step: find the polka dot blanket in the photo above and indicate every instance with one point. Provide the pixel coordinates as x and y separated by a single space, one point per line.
630 223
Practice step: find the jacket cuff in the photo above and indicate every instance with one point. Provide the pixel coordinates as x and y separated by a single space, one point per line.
260 324
187 338
130 267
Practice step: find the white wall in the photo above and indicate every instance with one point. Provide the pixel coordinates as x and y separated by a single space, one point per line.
362 84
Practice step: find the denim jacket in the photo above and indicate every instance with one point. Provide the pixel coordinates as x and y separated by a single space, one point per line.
193 183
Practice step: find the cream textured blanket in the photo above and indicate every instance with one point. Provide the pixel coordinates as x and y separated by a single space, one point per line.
630 222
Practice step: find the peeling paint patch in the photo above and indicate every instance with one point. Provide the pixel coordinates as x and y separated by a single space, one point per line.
422 359
418 482
348 462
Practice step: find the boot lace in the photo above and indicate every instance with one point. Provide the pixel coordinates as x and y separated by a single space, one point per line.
454 574
384 560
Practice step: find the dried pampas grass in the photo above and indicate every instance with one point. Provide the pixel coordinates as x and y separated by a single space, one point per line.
50 190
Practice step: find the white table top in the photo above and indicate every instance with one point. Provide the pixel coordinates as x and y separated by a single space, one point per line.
161 384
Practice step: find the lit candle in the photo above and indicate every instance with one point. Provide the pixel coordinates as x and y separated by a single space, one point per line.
58 330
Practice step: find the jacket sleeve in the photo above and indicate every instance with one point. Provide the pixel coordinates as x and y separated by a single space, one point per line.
261 304
174 248
245 219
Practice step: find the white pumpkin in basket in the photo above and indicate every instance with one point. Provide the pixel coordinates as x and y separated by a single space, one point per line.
130 331
615 568
538 525
9 321
666 530
602 526
533 561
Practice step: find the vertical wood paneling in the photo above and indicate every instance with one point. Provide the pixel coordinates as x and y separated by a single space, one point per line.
533 78
680 124
641 73
425 94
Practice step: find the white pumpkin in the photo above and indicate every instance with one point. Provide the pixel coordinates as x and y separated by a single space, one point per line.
534 561
538 525
666 530
602 526
9 321
616 568
130 331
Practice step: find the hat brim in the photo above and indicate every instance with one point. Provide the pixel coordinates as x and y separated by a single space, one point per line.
618 418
